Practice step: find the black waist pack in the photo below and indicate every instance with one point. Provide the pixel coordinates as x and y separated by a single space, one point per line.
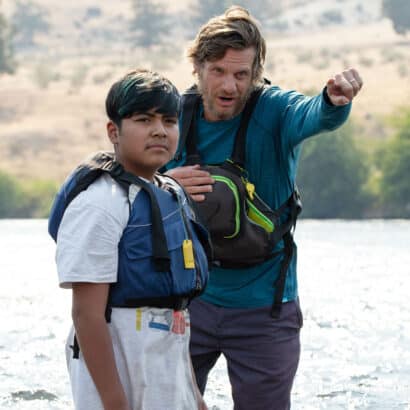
244 229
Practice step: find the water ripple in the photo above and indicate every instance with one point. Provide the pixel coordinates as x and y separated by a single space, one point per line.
33 395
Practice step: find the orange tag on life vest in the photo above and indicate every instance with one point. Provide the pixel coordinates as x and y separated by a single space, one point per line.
188 252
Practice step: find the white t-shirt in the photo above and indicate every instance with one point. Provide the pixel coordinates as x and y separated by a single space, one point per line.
151 345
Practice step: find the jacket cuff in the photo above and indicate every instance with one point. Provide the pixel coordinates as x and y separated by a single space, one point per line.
326 97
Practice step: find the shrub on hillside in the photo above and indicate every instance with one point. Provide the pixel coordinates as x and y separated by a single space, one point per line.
332 176
395 169
29 199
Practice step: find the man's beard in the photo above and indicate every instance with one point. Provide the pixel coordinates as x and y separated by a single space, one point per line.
209 105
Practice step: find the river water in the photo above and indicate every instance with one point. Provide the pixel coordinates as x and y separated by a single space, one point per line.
354 280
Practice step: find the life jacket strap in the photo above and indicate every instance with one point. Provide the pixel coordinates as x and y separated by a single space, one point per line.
168 302
162 260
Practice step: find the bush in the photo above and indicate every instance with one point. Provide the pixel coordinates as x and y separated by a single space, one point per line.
332 176
395 169
30 199
10 194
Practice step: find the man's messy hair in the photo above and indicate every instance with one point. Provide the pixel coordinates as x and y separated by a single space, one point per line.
140 91
236 29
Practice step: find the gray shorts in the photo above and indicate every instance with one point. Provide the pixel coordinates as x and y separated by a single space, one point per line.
262 353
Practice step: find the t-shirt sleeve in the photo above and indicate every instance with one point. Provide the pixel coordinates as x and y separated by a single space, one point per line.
87 243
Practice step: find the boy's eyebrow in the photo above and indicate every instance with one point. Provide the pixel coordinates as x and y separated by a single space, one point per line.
152 114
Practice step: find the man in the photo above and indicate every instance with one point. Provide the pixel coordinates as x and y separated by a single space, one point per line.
234 315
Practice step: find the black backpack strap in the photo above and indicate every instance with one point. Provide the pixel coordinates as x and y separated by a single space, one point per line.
281 280
192 154
286 231
188 135
238 154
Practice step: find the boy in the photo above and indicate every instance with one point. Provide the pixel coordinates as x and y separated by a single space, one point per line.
128 349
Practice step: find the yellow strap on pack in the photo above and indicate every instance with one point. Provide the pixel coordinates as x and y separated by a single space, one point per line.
188 252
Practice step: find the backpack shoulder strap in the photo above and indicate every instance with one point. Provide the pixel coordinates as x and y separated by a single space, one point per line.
190 102
239 150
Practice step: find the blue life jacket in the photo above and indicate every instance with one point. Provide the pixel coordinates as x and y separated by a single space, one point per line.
163 252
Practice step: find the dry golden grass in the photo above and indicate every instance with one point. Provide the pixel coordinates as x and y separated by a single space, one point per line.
46 131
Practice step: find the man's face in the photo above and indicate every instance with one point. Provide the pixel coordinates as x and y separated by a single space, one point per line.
225 84
145 142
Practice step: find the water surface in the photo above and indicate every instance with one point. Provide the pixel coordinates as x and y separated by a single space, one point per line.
354 281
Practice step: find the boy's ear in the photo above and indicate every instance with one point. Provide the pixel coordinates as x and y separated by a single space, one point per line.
112 132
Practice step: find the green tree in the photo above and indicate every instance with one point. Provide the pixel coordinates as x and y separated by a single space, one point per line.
28 19
6 53
332 175
398 11
395 169
38 196
150 24
29 199
10 194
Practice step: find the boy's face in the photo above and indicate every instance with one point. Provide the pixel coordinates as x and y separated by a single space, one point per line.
145 142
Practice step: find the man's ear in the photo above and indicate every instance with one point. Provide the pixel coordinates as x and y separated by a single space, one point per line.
112 132
197 68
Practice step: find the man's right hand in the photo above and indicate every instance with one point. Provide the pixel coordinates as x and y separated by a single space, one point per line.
195 180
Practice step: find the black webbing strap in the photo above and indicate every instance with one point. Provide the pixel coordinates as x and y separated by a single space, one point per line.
190 104
281 280
192 154
295 208
162 260
163 302
75 348
238 153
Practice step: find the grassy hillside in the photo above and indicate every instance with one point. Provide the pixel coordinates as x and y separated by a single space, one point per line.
52 112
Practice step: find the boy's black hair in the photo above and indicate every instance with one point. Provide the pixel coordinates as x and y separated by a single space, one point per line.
140 91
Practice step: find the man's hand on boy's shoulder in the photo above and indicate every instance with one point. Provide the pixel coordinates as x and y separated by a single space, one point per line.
195 180
344 86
